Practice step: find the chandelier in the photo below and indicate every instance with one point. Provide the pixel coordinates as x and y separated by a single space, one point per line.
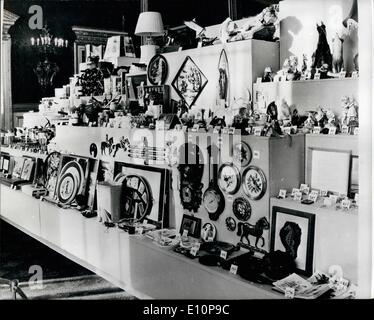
47 47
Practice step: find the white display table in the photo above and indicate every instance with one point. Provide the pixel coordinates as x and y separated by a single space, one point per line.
133 263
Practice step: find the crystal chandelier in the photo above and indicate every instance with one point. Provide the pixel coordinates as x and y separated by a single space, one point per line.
47 47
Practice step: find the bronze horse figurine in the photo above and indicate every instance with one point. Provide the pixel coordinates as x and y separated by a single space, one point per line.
246 229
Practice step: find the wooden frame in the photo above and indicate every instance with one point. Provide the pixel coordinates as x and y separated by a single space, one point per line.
193 224
176 86
304 250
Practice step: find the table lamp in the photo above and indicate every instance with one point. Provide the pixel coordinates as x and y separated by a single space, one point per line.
149 25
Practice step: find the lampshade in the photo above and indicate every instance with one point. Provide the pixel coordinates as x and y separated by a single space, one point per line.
149 24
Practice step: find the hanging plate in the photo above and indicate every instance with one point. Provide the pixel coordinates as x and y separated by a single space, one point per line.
242 154
157 70
242 209
224 76
67 188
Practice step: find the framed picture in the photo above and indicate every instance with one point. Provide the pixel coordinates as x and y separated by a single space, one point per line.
293 232
148 184
192 224
329 169
189 82
27 169
18 165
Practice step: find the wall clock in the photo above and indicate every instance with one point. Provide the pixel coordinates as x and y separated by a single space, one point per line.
254 183
242 154
137 197
242 209
230 223
157 70
67 188
213 199
229 178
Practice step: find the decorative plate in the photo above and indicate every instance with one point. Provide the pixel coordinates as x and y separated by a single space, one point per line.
242 209
157 70
137 197
254 183
242 154
230 223
76 170
189 82
208 232
67 188
50 171
229 178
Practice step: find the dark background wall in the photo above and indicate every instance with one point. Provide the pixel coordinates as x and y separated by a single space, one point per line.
61 15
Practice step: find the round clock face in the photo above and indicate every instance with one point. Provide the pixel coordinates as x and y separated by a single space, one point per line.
242 154
137 197
230 223
254 183
212 201
229 178
67 188
242 209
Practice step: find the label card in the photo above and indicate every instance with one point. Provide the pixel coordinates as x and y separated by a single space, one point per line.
342 74
346 204
257 131
334 198
282 193
185 233
323 193
234 269
223 254
355 74
195 128
345 129
317 76
231 130
287 130
256 154
327 202
217 129
332 131
289 293
316 130
303 188
225 130
295 190
145 221
259 80
298 196
210 239
194 251
356 197
356 131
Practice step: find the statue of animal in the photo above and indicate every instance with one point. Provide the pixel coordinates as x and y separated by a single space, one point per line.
107 145
337 53
246 229
322 56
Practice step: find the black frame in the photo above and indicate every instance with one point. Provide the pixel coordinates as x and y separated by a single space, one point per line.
177 76
310 238
351 191
164 187
197 230
163 76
